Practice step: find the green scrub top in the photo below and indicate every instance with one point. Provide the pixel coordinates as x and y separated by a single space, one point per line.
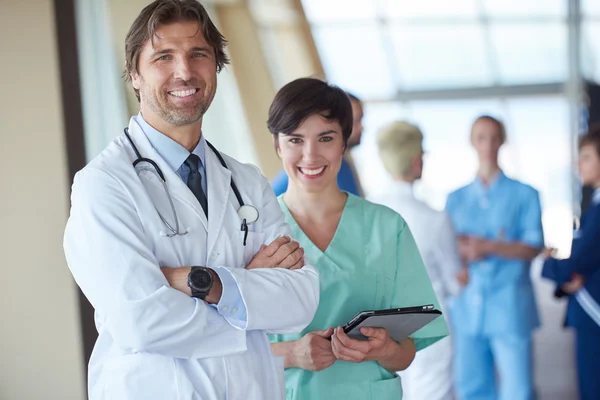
371 263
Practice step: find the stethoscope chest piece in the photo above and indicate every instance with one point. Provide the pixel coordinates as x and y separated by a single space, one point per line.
248 213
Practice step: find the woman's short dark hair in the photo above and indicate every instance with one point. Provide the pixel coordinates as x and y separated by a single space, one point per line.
591 138
162 12
305 97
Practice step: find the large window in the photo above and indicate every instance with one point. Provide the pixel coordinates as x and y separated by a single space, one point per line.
440 64
439 44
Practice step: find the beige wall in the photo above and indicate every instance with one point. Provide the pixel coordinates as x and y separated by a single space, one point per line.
40 350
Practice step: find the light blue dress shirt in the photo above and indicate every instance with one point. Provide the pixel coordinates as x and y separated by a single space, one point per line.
175 155
499 297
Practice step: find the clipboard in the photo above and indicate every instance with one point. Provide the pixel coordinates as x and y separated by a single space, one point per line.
399 322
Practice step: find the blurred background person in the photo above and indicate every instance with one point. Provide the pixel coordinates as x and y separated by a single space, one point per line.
365 253
499 223
347 177
579 275
400 146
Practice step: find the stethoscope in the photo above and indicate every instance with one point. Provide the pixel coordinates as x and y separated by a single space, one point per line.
248 214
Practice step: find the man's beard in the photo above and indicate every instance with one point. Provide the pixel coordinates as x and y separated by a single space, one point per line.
178 116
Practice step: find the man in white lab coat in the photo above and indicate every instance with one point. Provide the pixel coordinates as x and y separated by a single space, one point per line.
166 235
401 150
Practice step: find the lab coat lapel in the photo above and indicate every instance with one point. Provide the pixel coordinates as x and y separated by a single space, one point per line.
177 188
219 180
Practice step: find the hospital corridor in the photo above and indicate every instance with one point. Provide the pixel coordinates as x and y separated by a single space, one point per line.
300 200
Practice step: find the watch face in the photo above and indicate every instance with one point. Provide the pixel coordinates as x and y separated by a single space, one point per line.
201 279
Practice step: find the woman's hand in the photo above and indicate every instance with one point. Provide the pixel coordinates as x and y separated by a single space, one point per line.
352 350
379 347
313 351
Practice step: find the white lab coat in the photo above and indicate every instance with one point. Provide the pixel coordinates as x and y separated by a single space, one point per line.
429 377
154 341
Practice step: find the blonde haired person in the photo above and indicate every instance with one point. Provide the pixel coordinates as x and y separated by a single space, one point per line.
400 147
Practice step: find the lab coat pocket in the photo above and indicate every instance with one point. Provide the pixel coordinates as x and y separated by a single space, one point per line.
253 242
133 376
278 383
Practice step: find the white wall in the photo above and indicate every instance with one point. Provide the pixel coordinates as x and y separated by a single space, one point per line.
40 346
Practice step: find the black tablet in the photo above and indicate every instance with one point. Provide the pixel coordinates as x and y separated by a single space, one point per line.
399 322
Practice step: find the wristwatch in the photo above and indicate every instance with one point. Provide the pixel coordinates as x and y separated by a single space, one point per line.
200 281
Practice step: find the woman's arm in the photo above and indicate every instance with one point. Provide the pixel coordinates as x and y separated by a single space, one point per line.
285 350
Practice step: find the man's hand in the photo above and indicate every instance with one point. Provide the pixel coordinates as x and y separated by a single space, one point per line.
473 248
548 252
283 252
178 279
463 276
574 285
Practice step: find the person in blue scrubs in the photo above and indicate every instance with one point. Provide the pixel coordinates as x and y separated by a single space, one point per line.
498 220
579 275
347 178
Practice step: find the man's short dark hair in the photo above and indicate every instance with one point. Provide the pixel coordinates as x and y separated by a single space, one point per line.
162 12
305 97
592 138
499 124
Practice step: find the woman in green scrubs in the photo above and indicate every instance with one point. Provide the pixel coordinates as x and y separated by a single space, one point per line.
365 254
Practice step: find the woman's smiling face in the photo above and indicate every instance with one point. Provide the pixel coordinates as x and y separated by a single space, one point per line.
312 153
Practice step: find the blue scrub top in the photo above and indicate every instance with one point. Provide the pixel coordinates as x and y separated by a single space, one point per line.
499 297
345 179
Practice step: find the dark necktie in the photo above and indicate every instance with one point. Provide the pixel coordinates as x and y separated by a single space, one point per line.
195 181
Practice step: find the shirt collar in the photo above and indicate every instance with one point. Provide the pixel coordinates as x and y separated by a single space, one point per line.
494 183
172 152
